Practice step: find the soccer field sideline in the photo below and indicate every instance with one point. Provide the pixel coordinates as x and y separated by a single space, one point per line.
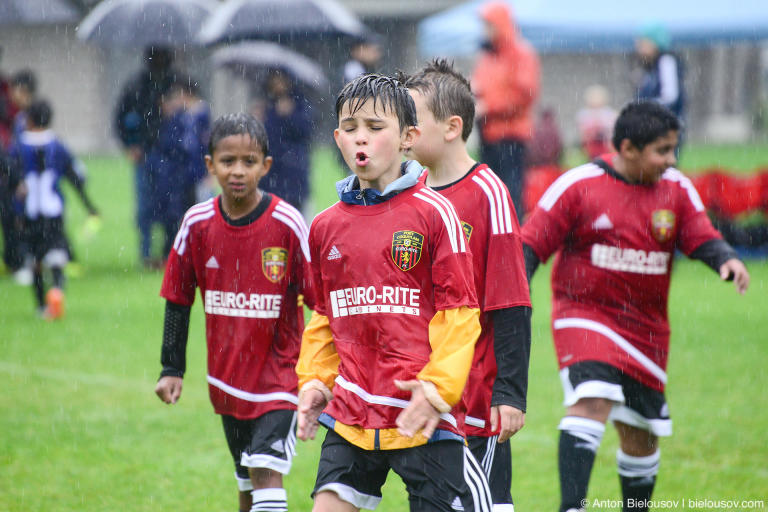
82 429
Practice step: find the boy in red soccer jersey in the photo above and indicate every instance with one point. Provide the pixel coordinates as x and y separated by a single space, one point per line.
495 394
387 352
616 224
247 252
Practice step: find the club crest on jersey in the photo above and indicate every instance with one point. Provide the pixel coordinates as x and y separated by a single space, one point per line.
467 229
406 249
273 263
663 225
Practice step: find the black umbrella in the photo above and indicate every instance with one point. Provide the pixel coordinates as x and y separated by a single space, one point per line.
141 23
280 19
35 12
253 59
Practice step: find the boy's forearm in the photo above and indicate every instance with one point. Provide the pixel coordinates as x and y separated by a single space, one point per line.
512 347
714 253
173 355
452 336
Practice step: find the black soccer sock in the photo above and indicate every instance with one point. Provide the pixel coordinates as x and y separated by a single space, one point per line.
58 277
269 500
37 283
638 476
579 440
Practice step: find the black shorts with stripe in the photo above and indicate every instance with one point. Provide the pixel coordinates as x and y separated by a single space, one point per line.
495 459
437 475
268 441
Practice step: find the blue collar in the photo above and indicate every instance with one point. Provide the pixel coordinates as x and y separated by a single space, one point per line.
349 190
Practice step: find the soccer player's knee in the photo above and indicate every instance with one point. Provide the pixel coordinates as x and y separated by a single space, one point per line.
593 408
635 441
264 477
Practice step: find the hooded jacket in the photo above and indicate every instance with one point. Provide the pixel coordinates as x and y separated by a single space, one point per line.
506 79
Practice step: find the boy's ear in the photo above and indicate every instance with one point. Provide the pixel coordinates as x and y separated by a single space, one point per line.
336 137
409 138
627 149
454 127
267 165
209 164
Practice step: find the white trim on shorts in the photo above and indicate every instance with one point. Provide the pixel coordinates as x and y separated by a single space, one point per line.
589 389
504 507
351 495
657 427
282 466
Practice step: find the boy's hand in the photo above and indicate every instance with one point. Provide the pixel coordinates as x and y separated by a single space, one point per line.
311 404
512 420
419 414
169 389
734 269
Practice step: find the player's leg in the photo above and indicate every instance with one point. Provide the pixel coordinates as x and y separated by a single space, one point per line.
495 459
639 422
56 258
348 477
268 455
591 389
442 476
237 433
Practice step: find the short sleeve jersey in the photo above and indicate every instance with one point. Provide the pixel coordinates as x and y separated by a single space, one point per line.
251 278
489 222
43 160
381 272
611 276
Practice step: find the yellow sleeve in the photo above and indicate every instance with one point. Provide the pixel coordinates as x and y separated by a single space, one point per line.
452 336
318 359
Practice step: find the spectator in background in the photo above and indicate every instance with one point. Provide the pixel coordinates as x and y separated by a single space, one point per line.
506 82
546 146
595 121
23 93
137 121
364 55
660 76
7 110
197 131
288 121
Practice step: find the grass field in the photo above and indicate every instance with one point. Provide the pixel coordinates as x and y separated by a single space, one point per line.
81 429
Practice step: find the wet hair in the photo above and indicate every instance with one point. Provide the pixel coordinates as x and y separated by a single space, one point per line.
40 114
385 91
25 78
447 92
642 122
238 124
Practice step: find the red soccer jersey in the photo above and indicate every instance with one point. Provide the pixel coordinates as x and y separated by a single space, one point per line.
490 225
381 272
610 280
250 278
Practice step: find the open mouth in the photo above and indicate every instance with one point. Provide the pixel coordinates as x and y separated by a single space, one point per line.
361 159
237 187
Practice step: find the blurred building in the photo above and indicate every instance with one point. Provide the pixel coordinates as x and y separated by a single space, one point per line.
725 84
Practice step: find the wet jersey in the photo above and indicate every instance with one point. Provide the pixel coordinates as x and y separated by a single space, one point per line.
381 273
610 278
251 278
490 225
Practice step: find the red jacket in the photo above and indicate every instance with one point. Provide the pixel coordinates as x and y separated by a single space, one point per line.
506 80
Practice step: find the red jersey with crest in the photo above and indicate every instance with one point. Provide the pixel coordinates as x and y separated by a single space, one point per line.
610 279
490 225
250 279
381 272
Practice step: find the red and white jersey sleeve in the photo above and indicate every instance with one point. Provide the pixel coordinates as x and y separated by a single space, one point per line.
490 225
381 272
615 245
251 278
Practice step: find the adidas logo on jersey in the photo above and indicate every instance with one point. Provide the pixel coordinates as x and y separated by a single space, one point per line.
334 254
212 263
602 222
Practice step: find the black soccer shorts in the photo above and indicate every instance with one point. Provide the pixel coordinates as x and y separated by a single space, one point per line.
434 474
635 404
268 441
496 462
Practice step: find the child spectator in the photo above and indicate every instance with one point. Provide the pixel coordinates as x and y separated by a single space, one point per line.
615 224
247 252
390 344
595 121
496 390
44 161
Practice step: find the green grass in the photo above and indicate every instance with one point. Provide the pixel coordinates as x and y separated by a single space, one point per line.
81 429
